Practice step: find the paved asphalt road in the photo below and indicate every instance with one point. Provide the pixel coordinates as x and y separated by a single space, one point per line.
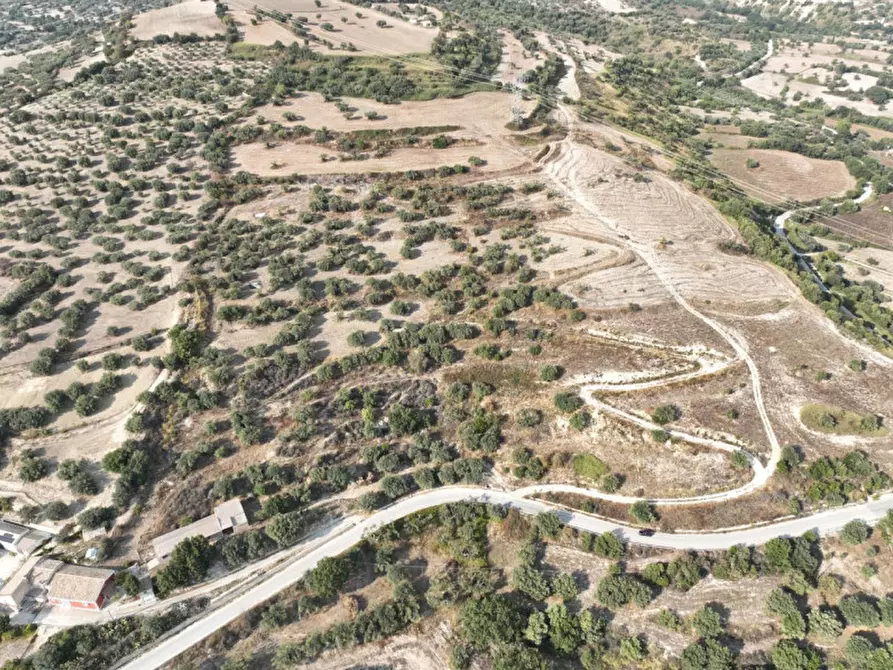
350 532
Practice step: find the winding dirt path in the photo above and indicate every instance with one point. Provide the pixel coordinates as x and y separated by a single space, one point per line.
564 172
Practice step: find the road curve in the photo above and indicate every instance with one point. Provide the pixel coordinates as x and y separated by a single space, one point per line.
349 533
770 51
805 264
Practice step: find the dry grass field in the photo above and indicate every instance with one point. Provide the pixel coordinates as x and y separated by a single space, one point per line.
481 132
339 23
484 113
784 176
190 16
261 30
805 70
309 159
797 59
872 132
741 45
68 74
771 84
872 263
745 114
873 222
726 136
840 421
14 60
795 372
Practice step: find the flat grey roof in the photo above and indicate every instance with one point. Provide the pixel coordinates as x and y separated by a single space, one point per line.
226 515
10 531
230 514
164 544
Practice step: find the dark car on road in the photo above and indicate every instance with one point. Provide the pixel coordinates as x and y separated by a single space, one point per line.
646 532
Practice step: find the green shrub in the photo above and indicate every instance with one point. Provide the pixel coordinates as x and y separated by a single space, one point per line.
580 420
189 563
855 532
329 576
568 402
31 467
528 418
665 414
859 611
707 623
643 512
549 373
610 483
609 545
587 465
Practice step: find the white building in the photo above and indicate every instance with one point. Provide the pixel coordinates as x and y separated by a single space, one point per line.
21 540
228 517
46 580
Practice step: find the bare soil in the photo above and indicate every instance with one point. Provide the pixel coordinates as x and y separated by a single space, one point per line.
486 112
872 223
783 176
515 59
397 37
191 16
307 159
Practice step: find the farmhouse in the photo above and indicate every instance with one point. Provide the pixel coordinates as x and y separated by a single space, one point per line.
228 517
80 587
58 584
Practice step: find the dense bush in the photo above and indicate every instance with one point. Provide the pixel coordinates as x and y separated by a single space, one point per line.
189 563
665 414
102 645
617 589
568 402
329 576
95 517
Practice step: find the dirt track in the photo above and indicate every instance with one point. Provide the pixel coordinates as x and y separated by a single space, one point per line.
515 60
649 210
